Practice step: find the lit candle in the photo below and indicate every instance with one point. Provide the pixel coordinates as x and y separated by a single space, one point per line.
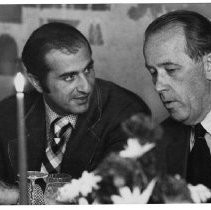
19 82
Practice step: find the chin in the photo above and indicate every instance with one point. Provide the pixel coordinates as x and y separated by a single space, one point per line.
180 118
80 110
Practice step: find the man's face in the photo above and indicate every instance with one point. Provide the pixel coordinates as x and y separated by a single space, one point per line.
70 81
180 81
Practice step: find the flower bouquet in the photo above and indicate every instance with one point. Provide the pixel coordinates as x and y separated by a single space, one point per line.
131 175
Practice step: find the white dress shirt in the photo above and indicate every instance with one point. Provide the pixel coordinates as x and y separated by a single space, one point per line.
51 116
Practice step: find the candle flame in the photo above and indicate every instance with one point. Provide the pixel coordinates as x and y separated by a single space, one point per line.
19 82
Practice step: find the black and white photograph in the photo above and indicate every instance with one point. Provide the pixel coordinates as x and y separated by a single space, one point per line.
105 103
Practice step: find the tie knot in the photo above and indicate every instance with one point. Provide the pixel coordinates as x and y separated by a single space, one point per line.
199 130
59 125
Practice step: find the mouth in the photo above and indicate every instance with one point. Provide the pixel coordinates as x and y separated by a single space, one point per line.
82 99
169 104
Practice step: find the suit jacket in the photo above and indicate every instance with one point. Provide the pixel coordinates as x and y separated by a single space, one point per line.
97 132
174 147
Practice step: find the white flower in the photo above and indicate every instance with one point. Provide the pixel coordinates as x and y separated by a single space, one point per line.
199 193
83 185
128 197
134 149
69 191
88 182
82 201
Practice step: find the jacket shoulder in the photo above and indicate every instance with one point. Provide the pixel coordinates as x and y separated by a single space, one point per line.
8 106
118 96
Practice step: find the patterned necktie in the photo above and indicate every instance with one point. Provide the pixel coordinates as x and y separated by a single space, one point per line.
60 131
199 160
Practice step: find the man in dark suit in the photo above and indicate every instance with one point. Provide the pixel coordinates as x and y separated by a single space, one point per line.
177 51
73 120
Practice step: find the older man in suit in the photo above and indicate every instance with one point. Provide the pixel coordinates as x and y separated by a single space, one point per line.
177 51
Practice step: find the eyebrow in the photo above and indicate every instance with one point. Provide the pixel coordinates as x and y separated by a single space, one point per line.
162 64
167 63
76 72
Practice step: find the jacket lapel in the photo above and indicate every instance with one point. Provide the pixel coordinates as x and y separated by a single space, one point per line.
177 151
83 141
36 134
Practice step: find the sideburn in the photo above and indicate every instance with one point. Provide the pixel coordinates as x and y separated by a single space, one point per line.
44 86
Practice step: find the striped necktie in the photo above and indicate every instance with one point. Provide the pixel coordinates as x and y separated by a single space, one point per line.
60 131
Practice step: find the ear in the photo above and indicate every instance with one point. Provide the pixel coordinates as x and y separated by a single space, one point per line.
35 82
207 65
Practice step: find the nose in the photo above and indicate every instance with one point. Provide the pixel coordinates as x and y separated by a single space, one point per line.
83 85
161 83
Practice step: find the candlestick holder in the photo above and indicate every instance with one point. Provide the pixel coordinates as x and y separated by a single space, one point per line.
32 176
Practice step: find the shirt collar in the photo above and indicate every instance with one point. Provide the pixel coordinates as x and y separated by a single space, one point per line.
51 116
206 123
